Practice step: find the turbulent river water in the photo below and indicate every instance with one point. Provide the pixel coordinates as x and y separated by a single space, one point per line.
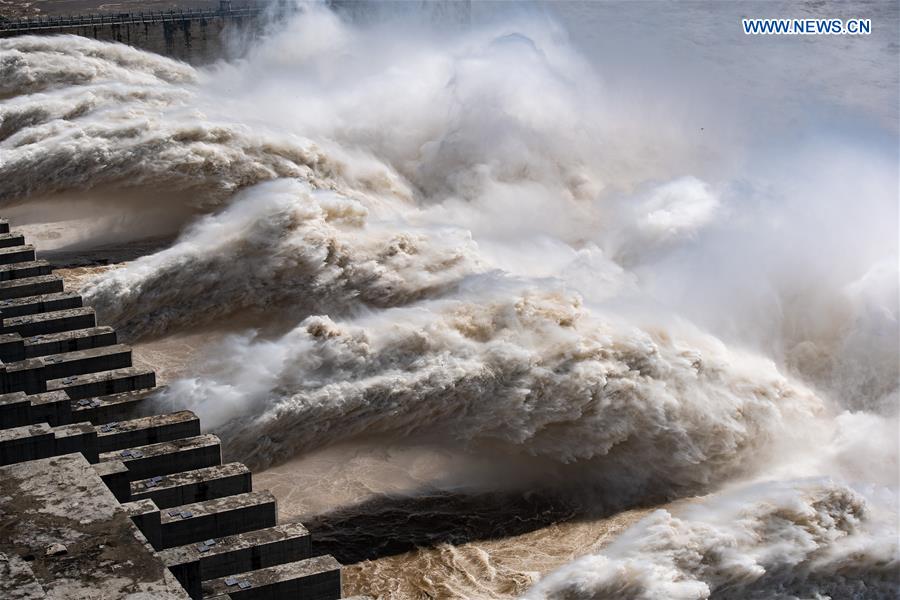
575 300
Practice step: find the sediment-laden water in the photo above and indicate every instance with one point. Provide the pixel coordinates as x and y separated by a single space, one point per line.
569 301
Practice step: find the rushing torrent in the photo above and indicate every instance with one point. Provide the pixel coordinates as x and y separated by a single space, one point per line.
483 238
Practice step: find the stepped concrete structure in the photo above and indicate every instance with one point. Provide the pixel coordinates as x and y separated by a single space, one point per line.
102 498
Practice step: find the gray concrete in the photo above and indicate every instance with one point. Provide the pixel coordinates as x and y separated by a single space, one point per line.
112 407
61 500
12 347
81 362
69 341
31 375
31 442
146 516
168 457
16 254
8 240
198 485
23 270
76 437
17 580
20 444
15 410
147 430
30 286
316 578
193 36
51 407
194 563
50 322
29 305
115 475
217 518
104 383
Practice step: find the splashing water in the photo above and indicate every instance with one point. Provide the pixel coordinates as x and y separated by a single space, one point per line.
483 238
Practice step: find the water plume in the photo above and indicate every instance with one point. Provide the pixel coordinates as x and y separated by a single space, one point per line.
480 236
281 244
810 539
531 372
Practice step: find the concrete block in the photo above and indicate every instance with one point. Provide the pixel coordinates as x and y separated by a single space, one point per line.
16 254
4 226
29 305
147 430
82 362
22 376
104 383
62 500
8 240
195 486
193 563
12 347
67 341
50 322
17 580
115 475
317 578
30 286
168 457
51 407
76 437
15 410
30 442
217 518
24 270
146 517
114 407
32 374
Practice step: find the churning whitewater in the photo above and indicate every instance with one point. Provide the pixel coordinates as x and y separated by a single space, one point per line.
482 238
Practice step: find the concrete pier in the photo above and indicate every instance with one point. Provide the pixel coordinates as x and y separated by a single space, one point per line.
119 435
30 286
198 485
31 375
20 444
50 322
111 407
16 254
168 457
69 341
75 538
217 518
103 497
11 239
219 557
24 270
316 578
104 383
115 475
30 305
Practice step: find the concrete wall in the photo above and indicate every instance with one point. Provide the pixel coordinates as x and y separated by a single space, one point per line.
199 41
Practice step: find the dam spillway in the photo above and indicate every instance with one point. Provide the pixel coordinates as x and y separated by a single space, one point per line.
102 497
